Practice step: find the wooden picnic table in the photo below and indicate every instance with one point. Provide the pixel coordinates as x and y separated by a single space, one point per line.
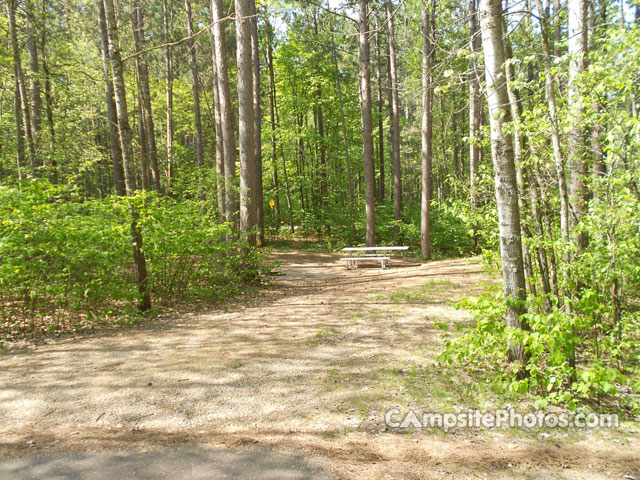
371 253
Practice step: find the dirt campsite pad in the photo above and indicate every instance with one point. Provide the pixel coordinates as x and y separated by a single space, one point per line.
307 368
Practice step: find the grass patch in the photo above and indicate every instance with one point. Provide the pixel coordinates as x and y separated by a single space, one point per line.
421 293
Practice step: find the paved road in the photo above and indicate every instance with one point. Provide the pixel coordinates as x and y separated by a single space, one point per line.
192 464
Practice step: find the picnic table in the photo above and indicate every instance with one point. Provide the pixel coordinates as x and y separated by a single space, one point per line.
381 254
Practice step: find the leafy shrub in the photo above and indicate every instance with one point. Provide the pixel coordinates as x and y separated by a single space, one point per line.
68 261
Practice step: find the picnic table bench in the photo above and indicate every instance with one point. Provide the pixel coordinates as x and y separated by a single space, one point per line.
381 254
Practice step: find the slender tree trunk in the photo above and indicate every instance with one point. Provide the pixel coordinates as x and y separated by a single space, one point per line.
490 13
475 110
220 177
112 118
578 171
380 102
34 74
48 98
25 123
195 87
395 116
127 153
168 72
272 116
145 96
367 137
550 95
427 127
226 115
246 132
257 125
17 104
142 135
519 148
344 138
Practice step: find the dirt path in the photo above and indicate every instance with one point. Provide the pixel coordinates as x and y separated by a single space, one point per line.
309 366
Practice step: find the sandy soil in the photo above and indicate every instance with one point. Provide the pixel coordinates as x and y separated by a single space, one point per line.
303 366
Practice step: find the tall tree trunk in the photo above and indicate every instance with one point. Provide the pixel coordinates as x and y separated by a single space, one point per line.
220 178
578 171
380 102
25 123
226 115
490 13
17 103
395 116
475 111
550 95
272 116
519 148
145 95
34 74
112 118
344 137
53 164
246 132
195 87
257 125
427 128
367 137
168 73
140 265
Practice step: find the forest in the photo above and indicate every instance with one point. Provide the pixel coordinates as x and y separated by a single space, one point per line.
154 153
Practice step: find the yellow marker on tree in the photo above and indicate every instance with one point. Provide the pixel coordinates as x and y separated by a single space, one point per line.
272 203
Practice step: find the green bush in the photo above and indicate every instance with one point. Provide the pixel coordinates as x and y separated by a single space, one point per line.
67 262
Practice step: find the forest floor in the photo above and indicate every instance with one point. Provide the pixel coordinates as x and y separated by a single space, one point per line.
306 366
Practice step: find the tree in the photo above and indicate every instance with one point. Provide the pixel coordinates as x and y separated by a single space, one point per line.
395 115
195 86
226 114
115 150
367 121
490 13
427 127
246 132
578 191
475 106
145 94
257 122
140 265
23 119
168 77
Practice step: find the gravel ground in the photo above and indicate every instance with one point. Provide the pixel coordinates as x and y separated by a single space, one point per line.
292 370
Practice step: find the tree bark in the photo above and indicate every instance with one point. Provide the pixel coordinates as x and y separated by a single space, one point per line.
367 137
25 123
34 74
112 119
48 99
578 171
246 132
145 95
475 110
344 138
257 122
195 86
168 72
550 95
427 128
17 104
226 115
395 116
490 13
380 102
220 188
144 299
